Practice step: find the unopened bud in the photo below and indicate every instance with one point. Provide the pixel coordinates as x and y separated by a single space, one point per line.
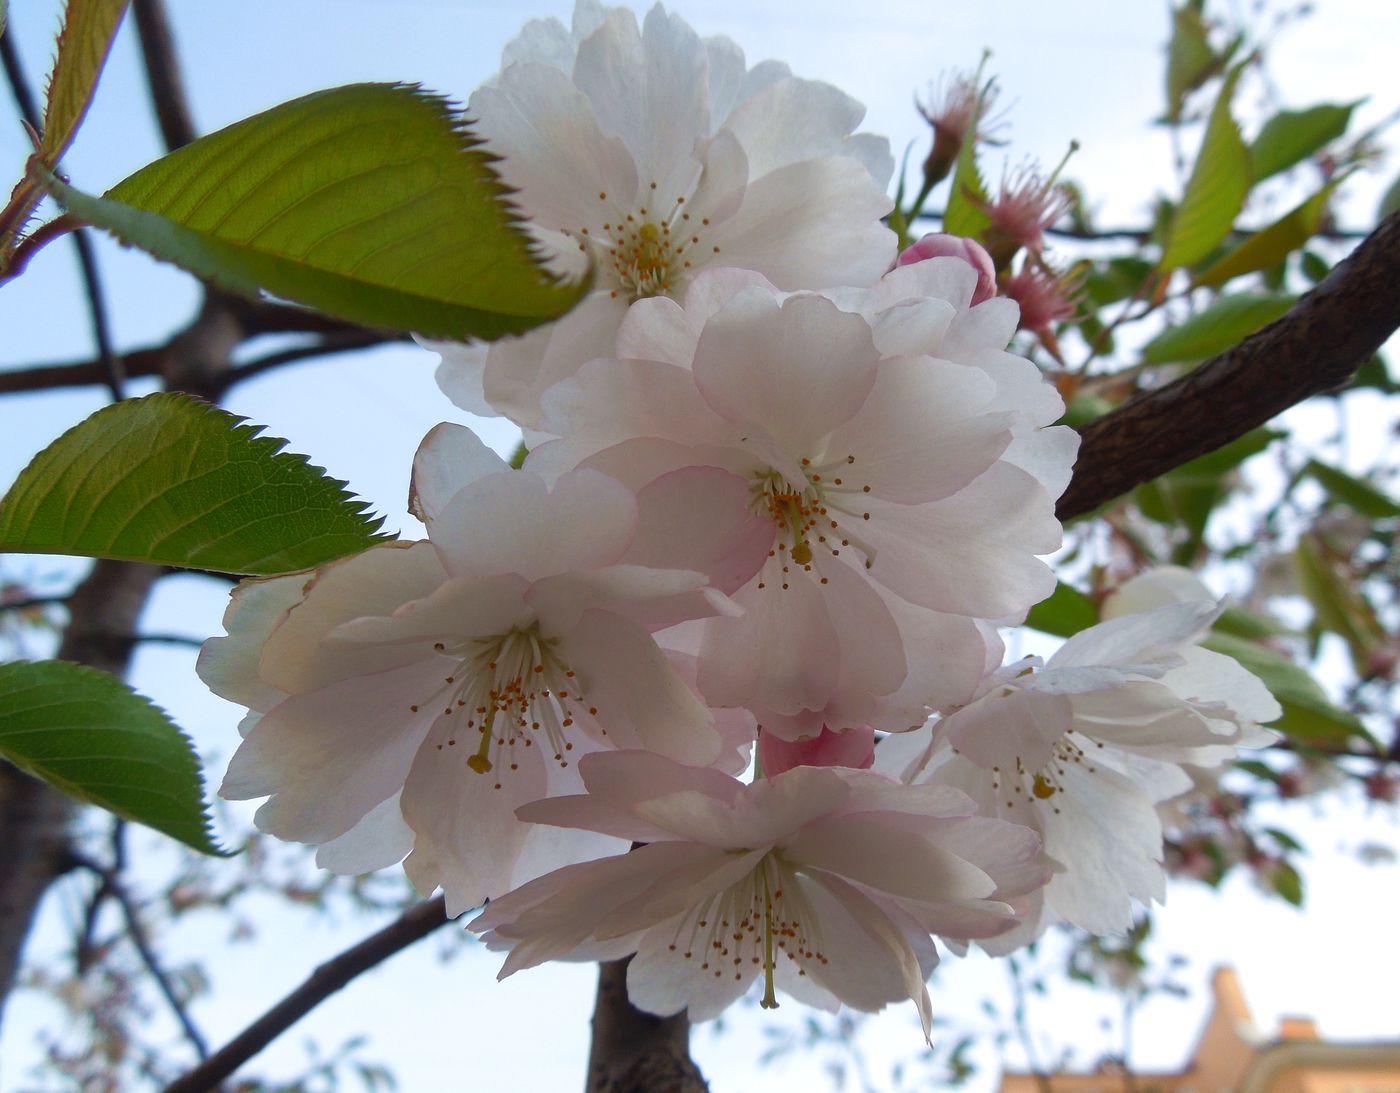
939 245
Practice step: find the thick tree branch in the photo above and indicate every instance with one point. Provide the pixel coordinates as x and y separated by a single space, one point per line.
1314 348
636 1052
411 926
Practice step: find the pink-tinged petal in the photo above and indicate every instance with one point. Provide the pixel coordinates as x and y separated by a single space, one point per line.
460 374
466 835
793 120
559 158
972 553
698 518
641 700
229 665
449 458
870 959
928 429
831 236
904 755
662 980
329 757
518 371
511 523
999 730
903 864
783 653
658 329
798 369
723 184
947 656
850 748
376 582
652 597
610 401
872 648
942 245
464 607
379 840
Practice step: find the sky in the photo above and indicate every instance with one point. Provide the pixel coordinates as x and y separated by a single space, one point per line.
1087 70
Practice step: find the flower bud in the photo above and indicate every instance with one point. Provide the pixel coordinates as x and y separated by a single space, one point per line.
939 245
849 748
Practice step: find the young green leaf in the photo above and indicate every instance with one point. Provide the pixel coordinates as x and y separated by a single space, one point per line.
1273 244
88 734
1064 614
1288 883
1290 136
1227 322
372 202
1338 604
1309 716
83 44
1361 496
1215 193
966 212
172 480
1190 59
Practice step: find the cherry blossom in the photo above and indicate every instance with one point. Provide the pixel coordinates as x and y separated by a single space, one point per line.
1085 747
656 154
432 687
824 882
901 458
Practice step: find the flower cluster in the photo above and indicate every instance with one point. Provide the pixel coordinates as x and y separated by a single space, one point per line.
782 493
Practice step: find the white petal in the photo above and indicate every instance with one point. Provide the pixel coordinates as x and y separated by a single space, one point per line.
229 665
793 120
381 839
448 458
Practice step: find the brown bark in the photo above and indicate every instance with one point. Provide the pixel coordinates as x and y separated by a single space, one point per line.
34 847
1315 347
636 1052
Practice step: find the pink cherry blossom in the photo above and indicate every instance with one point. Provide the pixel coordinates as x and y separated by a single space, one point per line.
823 882
940 245
900 458
849 748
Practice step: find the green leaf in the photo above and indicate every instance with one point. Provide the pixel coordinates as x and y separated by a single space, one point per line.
1217 188
88 734
1185 497
1273 244
1243 623
1190 59
1291 136
1374 373
172 480
1284 839
1361 496
966 211
83 44
1221 326
1309 716
1288 883
1338 604
1064 614
372 202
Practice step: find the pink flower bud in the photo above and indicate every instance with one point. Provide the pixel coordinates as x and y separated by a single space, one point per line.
970 251
849 748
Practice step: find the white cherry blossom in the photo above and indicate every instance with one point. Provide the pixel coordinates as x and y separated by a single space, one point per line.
822 882
464 675
657 154
1084 747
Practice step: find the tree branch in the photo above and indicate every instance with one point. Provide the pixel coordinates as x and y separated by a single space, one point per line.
1314 348
413 925
636 1052
163 74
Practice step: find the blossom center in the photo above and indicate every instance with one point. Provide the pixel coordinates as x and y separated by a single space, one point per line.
1045 785
650 250
817 514
508 690
750 924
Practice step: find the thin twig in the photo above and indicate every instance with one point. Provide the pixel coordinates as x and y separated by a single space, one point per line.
163 74
341 342
413 925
